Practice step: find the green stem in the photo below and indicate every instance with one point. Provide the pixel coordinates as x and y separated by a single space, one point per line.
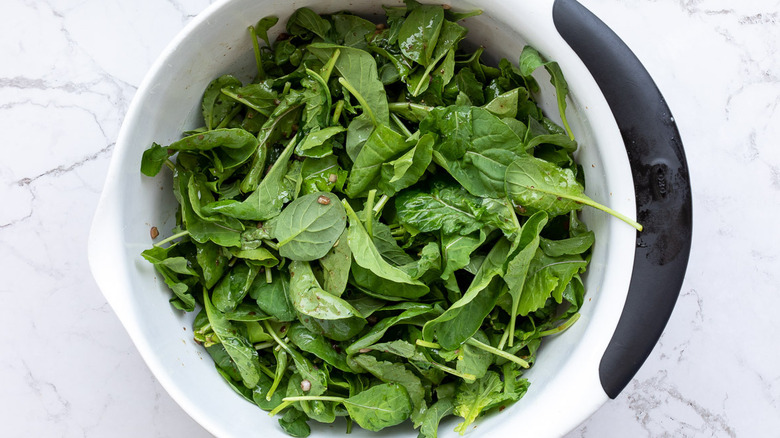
422 79
337 111
258 58
427 344
276 337
328 68
504 338
604 208
174 237
369 208
323 82
561 328
401 125
359 97
454 372
243 101
287 86
282 406
401 106
314 398
268 276
264 345
380 205
271 244
168 163
234 112
500 353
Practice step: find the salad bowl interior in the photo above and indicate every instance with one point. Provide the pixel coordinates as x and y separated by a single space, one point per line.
565 386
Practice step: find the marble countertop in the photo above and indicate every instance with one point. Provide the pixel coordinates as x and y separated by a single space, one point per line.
70 68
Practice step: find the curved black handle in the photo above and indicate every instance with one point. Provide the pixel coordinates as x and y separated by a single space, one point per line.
661 182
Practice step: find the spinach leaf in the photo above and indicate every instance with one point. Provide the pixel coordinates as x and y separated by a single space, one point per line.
548 277
237 346
433 416
407 169
215 107
475 148
538 185
530 60
309 299
335 266
419 32
390 372
382 145
380 406
317 345
153 160
232 289
294 423
309 226
366 256
273 297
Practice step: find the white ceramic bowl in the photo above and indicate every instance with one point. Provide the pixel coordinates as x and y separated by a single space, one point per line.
566 386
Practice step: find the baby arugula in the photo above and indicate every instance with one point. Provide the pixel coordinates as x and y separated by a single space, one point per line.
377 226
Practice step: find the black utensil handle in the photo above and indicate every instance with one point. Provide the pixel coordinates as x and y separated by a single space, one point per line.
661 181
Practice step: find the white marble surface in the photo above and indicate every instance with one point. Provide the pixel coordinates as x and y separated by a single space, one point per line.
68 69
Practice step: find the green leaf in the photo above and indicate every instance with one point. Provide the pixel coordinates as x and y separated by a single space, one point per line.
473 398
335 266
366 256
433 416
380 328
504 105
451 209
309 226
380 406
314 141
202 230
548 277
215 106
382 145
456 251
266 202
262 27
573 245
272 297
465 316
305 20
294 423
473 360
153 159
309 299
238 347
232 289
359 69
530 60
517 267
475 148
407 169
389 372
539 185
419 33
317 345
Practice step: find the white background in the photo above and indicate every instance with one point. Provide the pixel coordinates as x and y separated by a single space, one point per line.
68 69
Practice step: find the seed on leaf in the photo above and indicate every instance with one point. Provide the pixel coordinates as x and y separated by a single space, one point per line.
324 200
305 385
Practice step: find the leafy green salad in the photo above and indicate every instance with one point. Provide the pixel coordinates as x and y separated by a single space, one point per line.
379 226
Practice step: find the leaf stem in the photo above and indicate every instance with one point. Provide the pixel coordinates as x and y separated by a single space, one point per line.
258 58
314 398
401 125
271 244
234 112
241 100
454 372
276 337
380 205
505 336
169 164
328 68
427 344
500 353
396 107
282 406
174 237
324 83
604 208
359 97
337 112
268 276
264 345
369 208
561 328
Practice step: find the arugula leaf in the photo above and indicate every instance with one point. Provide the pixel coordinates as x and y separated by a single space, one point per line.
473 398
